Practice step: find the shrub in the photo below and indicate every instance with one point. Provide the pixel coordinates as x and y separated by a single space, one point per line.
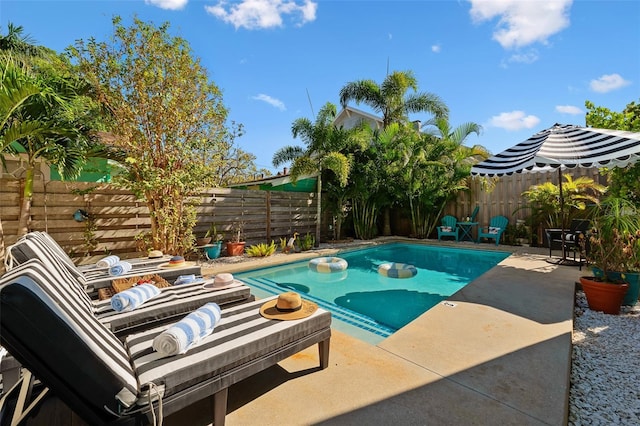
307 242
261 250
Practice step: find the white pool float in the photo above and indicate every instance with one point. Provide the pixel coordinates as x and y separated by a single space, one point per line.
328 264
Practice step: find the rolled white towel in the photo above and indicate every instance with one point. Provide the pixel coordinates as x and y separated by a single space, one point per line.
120 268
108 262
187 332
185 279
132 298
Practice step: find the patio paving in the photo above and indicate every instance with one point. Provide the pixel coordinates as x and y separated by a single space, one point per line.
498 353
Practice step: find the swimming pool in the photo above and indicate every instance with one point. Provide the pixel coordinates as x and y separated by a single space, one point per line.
367 304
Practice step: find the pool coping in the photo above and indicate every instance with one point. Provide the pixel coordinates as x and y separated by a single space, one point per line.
499 352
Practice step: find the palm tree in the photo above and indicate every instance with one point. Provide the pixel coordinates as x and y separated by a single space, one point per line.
391 100
322 152
28 125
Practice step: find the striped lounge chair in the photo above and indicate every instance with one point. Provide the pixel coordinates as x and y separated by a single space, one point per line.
91 276
105 380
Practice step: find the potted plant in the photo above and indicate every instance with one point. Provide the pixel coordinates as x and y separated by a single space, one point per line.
613 249
207 237
235 247
213 250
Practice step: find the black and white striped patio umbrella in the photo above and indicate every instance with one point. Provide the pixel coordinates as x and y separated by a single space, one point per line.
564 147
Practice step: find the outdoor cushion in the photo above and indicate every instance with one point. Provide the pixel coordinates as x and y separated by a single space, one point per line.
53 334
103 380
171 302
241 334
170 305
41 245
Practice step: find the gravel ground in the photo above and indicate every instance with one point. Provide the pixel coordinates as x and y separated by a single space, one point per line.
605 374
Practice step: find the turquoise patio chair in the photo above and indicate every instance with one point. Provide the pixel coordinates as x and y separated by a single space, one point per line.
449 228
496 227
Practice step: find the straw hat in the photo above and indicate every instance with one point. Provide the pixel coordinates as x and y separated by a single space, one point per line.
223 280
288 306
155 254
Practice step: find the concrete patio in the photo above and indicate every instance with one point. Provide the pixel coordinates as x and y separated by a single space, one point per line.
499 352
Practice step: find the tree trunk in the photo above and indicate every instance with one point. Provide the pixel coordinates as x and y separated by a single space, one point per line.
319 210
25 208
386 227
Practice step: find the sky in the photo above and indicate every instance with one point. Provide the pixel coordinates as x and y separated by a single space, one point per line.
514 67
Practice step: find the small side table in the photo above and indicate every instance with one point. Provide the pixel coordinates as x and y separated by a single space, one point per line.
466 229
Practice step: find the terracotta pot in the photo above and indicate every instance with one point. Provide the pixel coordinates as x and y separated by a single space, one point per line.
203 241
235 249
603 296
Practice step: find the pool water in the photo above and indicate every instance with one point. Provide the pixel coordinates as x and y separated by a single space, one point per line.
367 304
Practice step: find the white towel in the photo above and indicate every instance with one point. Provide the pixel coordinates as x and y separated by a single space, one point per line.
130 299
187 332
108 262
185 279
120 268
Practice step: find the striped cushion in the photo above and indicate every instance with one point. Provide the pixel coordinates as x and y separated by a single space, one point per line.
172 302
92 277
60 273
32 246
52 333
242 335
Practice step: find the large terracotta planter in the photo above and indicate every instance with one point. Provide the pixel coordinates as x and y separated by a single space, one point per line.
603 296
632 278
235 249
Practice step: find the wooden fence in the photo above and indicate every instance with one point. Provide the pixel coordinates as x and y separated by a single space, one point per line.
117 216
505 198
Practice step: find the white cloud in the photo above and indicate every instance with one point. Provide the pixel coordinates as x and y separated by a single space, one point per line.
435 48
271 101
514 120
522 23
569 109
168 4
258 14
608 82
525 58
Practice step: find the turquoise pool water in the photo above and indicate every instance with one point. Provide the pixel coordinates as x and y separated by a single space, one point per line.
367 304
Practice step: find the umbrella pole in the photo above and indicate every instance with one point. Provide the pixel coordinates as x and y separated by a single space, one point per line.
564 255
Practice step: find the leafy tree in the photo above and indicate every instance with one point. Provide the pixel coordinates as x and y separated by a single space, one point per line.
392 100
322 152
429 168
623 182
165 114
39 111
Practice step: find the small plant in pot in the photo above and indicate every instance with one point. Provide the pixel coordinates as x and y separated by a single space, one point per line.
235 247
213 250
613 249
